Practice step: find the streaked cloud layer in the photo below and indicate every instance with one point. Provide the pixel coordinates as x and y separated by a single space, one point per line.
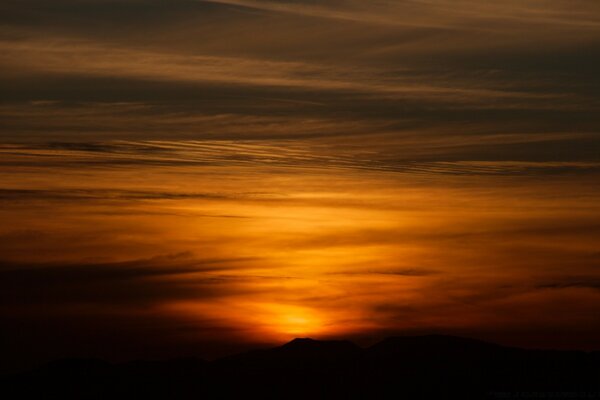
209 174
432 68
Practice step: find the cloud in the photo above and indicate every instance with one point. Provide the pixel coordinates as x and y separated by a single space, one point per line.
435 14
114 310
127 285
79 57
477 160
424 70
416 272
586 282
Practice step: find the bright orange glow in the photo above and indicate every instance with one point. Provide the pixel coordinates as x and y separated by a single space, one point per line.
287 321
276 253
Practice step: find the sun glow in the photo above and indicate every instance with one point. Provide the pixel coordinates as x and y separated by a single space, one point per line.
288 320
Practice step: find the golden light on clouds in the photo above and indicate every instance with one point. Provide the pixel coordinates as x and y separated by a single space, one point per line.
277 252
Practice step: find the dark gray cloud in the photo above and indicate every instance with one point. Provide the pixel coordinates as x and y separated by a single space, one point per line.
472 157
78 195
589 282
131 284
109 310
259 70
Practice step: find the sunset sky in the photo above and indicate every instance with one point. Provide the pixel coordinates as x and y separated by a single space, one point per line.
188 177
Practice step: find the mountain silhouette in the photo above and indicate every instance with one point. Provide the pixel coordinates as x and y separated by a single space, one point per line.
297 353
411 367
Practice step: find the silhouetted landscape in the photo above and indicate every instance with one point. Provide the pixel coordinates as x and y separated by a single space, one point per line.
411 367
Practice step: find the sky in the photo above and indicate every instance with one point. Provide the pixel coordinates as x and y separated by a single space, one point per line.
192 177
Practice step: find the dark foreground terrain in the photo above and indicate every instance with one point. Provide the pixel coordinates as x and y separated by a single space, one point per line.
418 367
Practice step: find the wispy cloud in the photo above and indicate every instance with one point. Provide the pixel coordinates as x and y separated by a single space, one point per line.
434 14
292 154
96 59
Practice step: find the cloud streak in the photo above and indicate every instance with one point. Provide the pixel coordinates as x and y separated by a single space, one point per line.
284 154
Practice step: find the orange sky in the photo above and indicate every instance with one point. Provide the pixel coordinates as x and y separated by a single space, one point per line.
270 252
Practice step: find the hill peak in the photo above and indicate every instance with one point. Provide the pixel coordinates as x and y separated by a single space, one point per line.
310 343
302 340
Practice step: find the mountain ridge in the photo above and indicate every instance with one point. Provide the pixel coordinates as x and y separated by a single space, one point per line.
423 366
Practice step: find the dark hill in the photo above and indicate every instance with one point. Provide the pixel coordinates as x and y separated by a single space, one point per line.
410 367
434 344
299 351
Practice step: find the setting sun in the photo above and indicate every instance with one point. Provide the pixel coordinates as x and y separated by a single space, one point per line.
290 321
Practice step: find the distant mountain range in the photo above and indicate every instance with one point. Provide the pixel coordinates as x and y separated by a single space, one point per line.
409 367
